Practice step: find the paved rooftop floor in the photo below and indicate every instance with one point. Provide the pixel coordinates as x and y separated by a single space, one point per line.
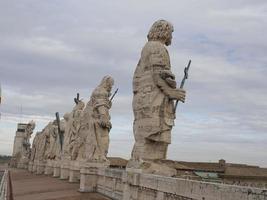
27 186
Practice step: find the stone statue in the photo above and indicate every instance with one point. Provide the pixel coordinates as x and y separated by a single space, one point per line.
26 150
34 146
66 141
96 122
154 92
54 147
75 125
62 130
43 144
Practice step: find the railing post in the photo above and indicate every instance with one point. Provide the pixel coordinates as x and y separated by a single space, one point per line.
6 192
9 187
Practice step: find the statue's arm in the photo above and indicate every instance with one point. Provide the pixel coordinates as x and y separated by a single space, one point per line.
168 87
103 111
164 78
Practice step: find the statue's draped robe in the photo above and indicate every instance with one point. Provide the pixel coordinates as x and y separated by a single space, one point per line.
74 136
34 147
153 109
42 145
67 131
97 139
53 142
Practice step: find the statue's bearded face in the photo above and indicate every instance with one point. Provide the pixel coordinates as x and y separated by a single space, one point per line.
80 105
109 82
109 86
169 38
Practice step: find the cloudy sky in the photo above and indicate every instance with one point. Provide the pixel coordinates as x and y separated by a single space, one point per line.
52 49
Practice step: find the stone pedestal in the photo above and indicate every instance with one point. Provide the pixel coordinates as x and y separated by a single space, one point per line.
34 168
131 179
150 167
64 170
74 171
40 168
22 165
56 169
74 176
49 168
30 167
89 176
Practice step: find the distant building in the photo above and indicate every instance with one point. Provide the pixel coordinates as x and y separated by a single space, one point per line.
21 147
19 138
220 172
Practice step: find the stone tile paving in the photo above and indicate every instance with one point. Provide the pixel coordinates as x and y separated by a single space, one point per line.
27 186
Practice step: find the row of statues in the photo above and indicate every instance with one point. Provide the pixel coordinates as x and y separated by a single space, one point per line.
83 134
85 130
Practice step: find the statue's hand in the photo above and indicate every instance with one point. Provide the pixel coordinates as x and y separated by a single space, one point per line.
109 104
171 82
164 74
179 95
108 125
105 123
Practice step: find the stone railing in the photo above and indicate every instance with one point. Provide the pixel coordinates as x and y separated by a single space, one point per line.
3 185
121 185
6 187
130 184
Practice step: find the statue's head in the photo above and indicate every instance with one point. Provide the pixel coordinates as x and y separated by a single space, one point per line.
161 30
32 124
80 105
107 82
54 123
30 127
66 116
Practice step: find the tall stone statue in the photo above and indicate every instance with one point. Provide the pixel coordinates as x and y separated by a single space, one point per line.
96 121
67 126
27 136
42 143
154 93
34 146
75 125
55 149
95 127
34 151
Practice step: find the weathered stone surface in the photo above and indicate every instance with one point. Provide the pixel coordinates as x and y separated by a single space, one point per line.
95 129
27 186
56 168
74 171
41 150
89 175
44 146
34 146
67 127
54 143
75 141
46 149
70 147
96 123
48 167
21 149
154 90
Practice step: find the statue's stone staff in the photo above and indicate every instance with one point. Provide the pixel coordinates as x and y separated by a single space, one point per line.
77 99
60 133
186 69
114 94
